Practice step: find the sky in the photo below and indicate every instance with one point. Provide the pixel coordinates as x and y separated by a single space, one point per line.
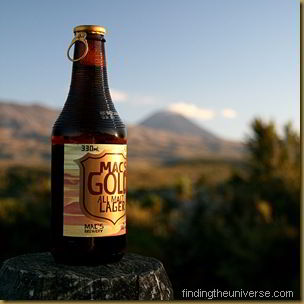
219 62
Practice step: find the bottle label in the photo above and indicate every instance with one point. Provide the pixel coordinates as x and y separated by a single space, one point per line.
95 186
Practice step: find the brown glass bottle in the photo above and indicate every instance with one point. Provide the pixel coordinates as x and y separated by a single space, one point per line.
87 123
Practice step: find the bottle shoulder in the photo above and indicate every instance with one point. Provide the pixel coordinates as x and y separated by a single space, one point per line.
91 117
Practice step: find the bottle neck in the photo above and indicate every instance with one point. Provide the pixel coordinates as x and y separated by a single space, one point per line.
89 107
89 75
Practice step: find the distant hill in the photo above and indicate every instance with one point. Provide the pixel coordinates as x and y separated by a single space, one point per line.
174 136
25 137
25 133
176 123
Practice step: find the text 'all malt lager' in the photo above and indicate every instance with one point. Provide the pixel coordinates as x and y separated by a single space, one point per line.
89 162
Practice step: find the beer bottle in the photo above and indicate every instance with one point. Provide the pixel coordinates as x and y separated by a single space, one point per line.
89 162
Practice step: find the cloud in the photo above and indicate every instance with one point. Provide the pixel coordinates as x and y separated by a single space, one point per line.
137 99
187 109
229 113
192 110
118 96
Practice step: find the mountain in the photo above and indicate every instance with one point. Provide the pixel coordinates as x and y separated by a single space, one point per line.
176 123
25 133
171 136
25 137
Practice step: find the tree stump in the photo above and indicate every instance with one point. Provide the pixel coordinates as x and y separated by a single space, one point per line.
38 277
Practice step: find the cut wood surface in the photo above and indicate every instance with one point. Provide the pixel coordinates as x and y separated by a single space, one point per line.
37 277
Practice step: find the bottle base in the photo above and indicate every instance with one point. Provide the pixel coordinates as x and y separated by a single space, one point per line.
88 251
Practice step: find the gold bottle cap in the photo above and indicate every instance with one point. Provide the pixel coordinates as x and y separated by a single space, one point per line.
94 29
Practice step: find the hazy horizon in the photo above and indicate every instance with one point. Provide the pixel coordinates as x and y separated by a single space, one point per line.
146 116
